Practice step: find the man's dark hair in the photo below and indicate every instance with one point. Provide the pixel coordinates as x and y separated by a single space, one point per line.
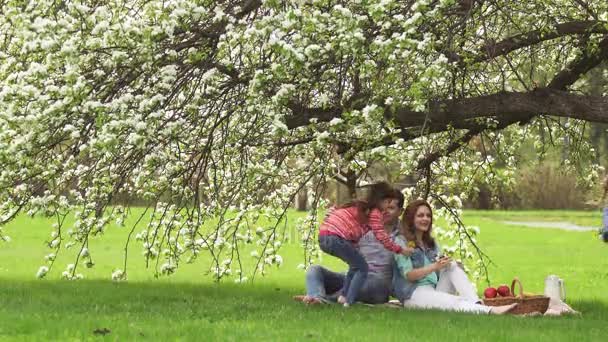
400 198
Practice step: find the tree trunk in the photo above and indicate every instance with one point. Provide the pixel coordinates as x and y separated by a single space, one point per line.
598 130
302 200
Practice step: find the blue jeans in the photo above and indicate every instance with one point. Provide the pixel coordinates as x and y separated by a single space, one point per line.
326 285
357 266
323 284
402 289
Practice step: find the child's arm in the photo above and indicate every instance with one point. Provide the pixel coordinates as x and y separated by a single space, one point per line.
329 211
376 223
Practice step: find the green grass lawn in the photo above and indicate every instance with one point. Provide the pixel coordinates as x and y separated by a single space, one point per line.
190 306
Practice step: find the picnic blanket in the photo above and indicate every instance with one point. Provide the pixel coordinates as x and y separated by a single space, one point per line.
393 303
556 308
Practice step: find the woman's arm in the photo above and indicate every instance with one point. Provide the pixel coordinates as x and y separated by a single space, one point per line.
419 273
414 274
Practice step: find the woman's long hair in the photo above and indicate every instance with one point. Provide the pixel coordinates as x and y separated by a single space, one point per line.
377 193
407 223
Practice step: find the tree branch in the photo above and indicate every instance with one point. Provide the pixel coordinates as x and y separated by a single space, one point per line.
460 113
580 66
505 104
494 49
561 81
456 144
302 116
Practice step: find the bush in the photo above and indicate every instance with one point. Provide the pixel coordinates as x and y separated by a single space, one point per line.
546 186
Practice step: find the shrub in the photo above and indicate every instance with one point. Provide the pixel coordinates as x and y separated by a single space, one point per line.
547 186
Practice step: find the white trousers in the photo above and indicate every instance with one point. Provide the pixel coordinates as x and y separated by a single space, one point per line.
452 280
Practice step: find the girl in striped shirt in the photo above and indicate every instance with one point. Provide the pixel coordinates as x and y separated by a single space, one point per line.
344 226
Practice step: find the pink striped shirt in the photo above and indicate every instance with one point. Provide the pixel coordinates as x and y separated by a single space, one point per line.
343 222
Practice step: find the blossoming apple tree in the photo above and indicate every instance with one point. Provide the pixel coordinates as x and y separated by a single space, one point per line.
215 114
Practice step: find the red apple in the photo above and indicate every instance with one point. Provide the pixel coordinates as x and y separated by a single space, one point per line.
490 292
503 291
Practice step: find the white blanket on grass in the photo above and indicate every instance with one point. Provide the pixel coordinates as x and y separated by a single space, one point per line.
556 307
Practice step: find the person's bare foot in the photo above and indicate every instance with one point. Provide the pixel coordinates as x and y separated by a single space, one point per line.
502 309
312 300
307 299
299 298
342 300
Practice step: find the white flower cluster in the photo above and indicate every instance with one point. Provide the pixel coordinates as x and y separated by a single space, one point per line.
4 237
69 273
42 271
119 275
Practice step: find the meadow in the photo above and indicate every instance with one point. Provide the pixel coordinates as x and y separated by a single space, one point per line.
189 305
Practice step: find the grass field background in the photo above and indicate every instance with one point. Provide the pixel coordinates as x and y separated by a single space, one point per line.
190 306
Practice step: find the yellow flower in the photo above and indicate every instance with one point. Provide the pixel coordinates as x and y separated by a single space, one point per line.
411 244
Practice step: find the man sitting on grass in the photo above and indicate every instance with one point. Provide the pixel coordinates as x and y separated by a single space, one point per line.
324 286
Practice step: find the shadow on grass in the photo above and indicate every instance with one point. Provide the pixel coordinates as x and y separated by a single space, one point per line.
109 296
42 309
164 310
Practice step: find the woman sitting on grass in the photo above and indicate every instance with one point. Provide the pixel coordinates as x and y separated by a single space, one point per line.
427 280
344 226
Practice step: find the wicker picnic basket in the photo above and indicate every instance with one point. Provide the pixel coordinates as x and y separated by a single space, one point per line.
526 303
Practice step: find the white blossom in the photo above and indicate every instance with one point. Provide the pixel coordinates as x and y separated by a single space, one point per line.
42 271
118 275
